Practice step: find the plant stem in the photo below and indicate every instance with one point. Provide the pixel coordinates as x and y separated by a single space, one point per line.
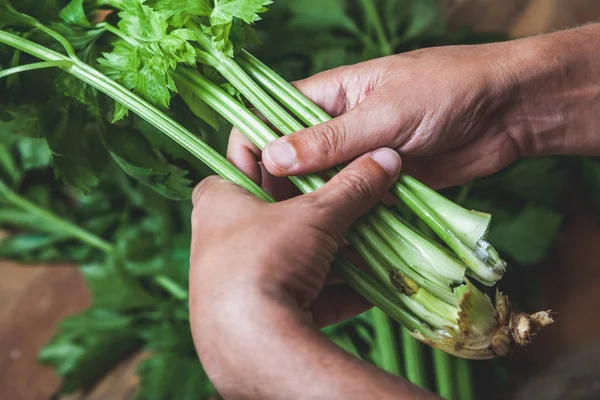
49 219
346 343
361 282
268 107
235 75
33 67
301 106
249 124
172 287
115 31
385 343
282 90
144 109
484 273
444 374
380 296
463 194
372 15
466 389
414 360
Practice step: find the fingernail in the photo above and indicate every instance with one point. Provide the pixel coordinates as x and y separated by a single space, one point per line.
388 159
281 154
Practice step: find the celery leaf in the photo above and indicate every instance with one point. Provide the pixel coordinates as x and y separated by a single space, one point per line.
181 11
246 10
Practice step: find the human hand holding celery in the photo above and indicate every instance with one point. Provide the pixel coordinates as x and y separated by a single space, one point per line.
259 287
454 113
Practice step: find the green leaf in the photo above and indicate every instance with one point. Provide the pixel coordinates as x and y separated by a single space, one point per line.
146 66
529 236
132 152
158 140
9 170
42 10
171 337
425 19
21 120
320 15
246 10
89 345
199 107
72 87
542 180
143 247
16 245
74 144
142 23
167 376
74 14
181 11
34 153
114 288
11 17
83 40
590 171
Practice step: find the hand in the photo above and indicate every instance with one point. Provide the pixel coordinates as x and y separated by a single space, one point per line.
258 288
454 113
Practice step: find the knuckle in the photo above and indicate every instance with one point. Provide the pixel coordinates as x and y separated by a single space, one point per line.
204 188
328 138
316 211
357 185
314 208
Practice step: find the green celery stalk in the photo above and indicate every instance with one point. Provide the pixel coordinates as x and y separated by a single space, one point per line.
386 351
414 359
443 365
53 222
452 230
465 384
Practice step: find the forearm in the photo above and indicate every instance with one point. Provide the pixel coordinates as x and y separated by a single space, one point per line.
296 361
557 92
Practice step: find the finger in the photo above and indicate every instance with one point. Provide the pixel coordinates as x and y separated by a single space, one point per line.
246 157
356 189
217 202
336 304
362 129
333 278
279 188
325 89
242 153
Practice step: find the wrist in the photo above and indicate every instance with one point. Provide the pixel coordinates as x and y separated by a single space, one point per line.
552 92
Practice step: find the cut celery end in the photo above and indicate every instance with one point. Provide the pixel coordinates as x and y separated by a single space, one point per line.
479 269
488 254
433 304
425 313
382 297
421 254
468 226
482 271
369 244
433 311
477 315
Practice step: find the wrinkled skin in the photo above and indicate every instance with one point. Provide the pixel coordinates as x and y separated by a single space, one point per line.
260 278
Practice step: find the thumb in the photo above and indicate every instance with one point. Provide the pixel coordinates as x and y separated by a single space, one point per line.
358 188
332 143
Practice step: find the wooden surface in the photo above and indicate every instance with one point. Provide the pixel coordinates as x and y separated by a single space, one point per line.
34 299
32 302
